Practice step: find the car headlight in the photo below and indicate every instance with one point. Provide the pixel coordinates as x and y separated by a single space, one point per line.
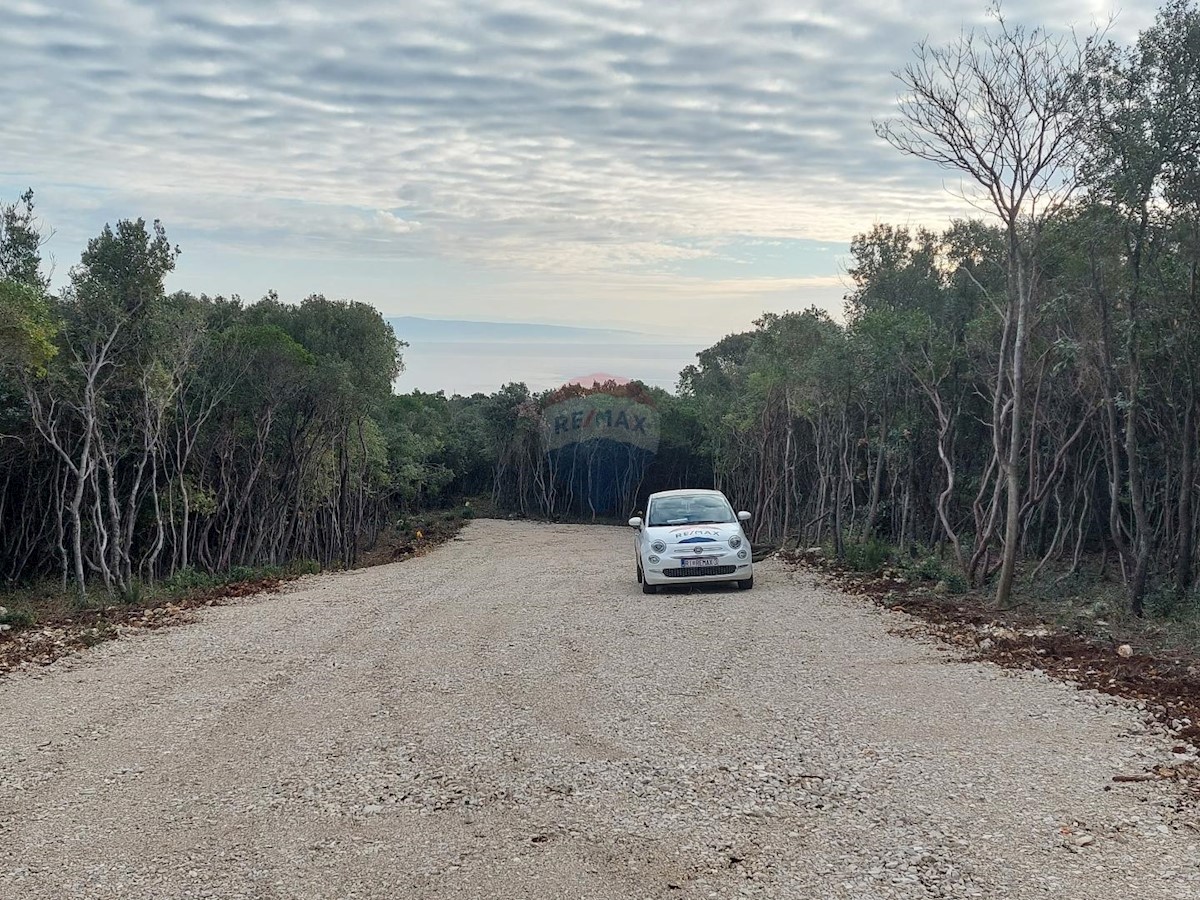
658 547
735 542
741 554
652 559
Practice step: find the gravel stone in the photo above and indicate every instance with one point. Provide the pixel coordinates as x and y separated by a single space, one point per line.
510 717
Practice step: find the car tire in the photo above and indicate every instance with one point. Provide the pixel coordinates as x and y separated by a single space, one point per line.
639 570
746 583
648 588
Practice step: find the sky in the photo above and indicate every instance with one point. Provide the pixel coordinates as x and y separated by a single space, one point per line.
673 167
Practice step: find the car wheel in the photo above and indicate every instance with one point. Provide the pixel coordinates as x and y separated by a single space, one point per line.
746 583
639 568
648 588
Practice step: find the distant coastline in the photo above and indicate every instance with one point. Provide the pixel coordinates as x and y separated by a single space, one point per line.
461 357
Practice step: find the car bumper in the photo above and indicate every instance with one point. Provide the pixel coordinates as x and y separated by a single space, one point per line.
669 570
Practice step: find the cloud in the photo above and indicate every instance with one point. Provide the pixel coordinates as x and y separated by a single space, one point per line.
391 222
584 136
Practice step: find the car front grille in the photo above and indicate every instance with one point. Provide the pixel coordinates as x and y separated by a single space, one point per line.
706 570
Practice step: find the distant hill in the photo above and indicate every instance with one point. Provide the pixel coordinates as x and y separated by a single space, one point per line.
415 329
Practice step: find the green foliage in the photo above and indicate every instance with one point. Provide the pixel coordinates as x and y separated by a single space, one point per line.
931 568
186 580
191 581
248 432
27 322
416 428
1165 602
17 618
868 556
129 262
352 340
134 593
27 326
236 434
20 244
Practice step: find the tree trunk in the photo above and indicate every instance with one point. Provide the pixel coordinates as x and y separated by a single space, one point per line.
1012 469
877 479
1185 551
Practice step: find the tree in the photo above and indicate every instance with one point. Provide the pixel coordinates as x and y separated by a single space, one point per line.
1001 106
1143 148
20 244
90 411
27 326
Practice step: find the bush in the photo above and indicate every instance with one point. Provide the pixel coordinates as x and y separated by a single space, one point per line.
17 618
932 568
189 581
956 582
869 556
1164 603
133 595
246 573
929 568
186 580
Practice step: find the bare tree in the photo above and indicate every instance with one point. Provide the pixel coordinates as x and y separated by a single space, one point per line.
1001 106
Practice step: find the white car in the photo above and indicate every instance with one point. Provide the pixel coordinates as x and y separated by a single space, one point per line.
691 537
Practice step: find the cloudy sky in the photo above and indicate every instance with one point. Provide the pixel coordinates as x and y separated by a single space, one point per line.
675 165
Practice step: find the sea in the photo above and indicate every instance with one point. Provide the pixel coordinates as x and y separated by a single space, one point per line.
468 367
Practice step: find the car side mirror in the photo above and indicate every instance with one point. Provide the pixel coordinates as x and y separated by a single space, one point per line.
635 522
743 516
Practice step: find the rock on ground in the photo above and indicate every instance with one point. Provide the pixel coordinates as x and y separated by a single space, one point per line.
510 717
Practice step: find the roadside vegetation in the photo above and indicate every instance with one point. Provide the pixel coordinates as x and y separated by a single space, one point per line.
155 443
1013 397
1010 405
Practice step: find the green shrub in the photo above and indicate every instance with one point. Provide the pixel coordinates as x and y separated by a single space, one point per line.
1164 603
246 573
97 599
186 580
932 568
956 582
190 581
132 595
929 568
869 556
17 618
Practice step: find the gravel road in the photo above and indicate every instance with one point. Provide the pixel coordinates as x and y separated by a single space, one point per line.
510 717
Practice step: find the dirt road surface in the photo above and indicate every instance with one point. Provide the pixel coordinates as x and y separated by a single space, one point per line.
509 717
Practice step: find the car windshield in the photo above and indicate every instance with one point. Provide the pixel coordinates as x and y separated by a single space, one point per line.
690 509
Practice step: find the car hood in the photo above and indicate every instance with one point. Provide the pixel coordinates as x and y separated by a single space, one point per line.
700 535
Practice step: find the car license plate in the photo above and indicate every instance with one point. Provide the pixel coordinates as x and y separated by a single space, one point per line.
699 562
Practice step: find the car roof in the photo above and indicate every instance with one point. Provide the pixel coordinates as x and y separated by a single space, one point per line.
686 492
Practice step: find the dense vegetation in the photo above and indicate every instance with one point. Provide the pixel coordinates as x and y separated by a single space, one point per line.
148 433
1021 388
1017 393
